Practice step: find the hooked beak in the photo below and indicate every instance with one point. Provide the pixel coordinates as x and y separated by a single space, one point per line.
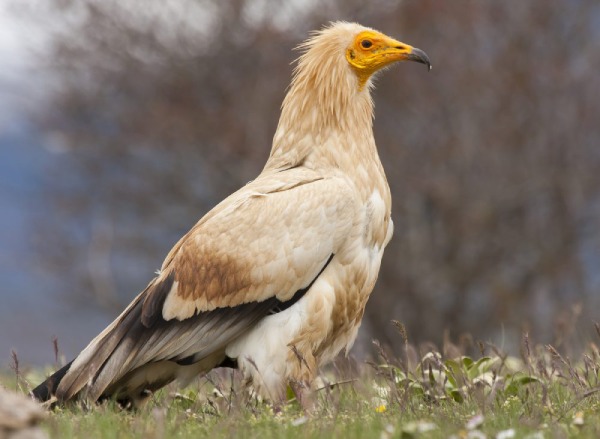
400 51
419 56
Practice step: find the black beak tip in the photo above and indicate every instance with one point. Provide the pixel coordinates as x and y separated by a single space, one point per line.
419 56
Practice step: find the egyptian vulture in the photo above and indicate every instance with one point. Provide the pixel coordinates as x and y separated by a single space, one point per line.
274 280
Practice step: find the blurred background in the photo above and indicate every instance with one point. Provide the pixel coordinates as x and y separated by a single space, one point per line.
123 122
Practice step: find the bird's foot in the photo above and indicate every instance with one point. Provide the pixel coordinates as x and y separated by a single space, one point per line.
304 395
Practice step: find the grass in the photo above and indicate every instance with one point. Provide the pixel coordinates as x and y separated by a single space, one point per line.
541 394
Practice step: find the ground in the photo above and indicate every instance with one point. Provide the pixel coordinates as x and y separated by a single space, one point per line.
541 394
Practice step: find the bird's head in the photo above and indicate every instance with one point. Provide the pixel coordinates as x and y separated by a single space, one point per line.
331 82
348 51
371 51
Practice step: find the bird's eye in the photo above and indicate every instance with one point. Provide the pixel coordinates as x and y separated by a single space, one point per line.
366 44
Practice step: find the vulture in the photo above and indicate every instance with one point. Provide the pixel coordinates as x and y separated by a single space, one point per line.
273 280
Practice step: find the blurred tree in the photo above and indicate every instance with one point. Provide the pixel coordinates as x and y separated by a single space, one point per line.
164 108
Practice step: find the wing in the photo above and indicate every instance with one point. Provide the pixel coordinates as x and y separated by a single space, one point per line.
255 253
269 239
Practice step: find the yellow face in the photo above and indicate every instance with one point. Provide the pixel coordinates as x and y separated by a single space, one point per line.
371 51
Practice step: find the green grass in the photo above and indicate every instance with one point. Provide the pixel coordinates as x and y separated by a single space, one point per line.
542 394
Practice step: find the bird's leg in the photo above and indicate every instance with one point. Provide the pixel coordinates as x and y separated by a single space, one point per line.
304 395
302 376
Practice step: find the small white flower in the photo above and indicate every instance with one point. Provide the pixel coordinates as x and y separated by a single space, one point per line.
536 435
506 434
299 421
475 422
419 427
387 432
578 419
382 392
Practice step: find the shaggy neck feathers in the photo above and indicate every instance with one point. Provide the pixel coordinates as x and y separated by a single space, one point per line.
325 104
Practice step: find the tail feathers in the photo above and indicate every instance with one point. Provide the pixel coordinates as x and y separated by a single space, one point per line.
129 358
95 357
106 367
47 389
